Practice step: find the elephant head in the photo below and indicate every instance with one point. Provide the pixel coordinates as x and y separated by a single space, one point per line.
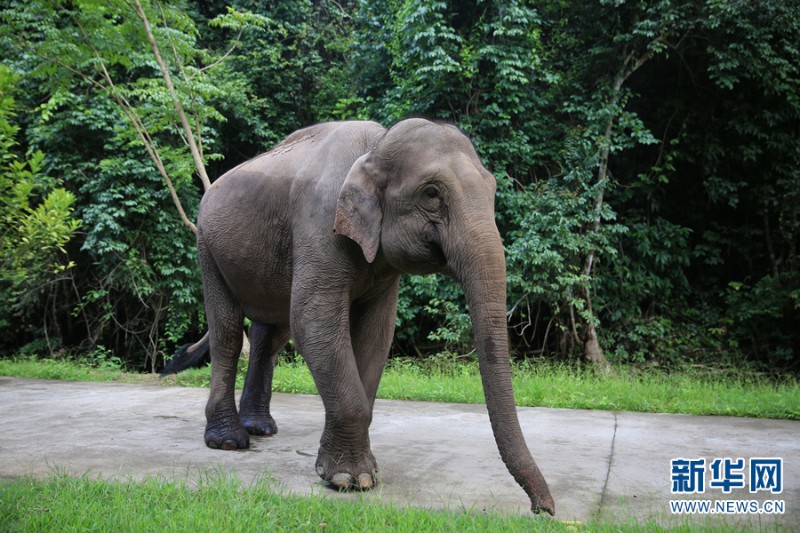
422 200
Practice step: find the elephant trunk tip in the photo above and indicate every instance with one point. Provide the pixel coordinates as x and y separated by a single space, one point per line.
544 503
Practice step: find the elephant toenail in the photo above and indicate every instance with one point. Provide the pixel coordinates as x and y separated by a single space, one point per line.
342 480
365 481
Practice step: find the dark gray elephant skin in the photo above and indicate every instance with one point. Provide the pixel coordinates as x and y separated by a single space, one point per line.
309 241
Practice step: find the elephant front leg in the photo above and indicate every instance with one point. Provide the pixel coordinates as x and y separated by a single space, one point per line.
345 459
372 329
266 342
321 330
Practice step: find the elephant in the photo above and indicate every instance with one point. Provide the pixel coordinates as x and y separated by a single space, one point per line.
309 241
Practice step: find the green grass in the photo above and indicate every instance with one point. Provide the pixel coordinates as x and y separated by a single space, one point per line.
623 389
687 391
219 502
62 369
216 503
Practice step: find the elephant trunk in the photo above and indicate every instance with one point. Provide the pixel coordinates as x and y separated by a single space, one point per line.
479 265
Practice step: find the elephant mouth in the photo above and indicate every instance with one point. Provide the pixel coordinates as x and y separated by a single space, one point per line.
436 254
432 242
428 259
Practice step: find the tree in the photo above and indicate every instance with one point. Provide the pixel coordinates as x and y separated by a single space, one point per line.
638 32
95 45
36 223
730 118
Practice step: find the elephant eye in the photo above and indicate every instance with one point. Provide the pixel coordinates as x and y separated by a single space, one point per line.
432 191
431 199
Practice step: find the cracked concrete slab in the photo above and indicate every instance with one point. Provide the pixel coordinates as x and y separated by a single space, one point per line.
645 444
599 464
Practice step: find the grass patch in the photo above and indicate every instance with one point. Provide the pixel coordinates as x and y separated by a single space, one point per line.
67 370
218 503
656 391
438 379
688 391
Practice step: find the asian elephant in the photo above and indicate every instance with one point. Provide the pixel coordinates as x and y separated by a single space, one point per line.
309 241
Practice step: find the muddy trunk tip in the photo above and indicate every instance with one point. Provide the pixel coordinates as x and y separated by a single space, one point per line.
544 503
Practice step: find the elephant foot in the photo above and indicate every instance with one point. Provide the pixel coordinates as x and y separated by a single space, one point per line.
348 473
259 425
227 438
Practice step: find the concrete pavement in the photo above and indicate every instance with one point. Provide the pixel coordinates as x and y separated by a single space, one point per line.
601 465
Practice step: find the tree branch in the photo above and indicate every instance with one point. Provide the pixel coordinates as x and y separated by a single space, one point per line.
134 119
162 64
198 129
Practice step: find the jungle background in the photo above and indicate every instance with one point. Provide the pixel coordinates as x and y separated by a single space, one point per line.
647 156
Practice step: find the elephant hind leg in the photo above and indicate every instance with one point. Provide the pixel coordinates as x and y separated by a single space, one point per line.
224 430
266 342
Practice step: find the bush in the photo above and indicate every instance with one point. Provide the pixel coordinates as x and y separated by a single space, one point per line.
36 223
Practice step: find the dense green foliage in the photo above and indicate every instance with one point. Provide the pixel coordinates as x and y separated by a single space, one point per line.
646 155
36 223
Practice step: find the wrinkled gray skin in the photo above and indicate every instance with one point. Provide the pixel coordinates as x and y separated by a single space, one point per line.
309 241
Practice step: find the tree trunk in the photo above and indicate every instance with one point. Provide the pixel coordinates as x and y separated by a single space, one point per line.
592 351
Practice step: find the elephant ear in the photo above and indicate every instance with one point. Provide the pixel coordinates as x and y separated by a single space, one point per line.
358 210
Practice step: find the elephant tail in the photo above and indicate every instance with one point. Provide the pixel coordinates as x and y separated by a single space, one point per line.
189 356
